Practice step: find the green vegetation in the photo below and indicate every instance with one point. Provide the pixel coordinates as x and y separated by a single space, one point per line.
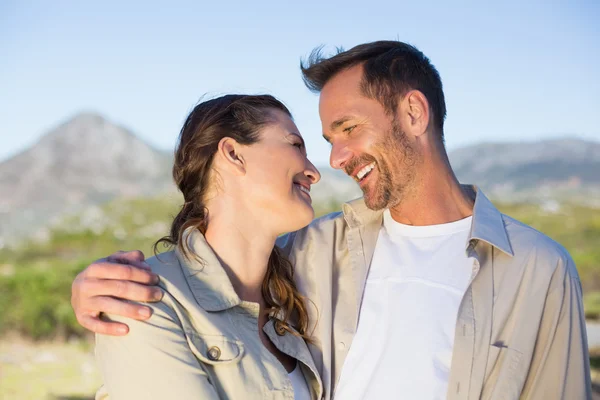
576 228
36 277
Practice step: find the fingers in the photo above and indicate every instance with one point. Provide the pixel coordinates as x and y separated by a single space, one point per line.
96 325
111 270
121 289
123 275
91 320
108 305
134 257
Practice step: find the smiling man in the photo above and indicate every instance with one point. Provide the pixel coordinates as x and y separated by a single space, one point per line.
422 288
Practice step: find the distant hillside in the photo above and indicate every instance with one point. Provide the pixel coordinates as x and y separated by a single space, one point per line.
562 169
86 160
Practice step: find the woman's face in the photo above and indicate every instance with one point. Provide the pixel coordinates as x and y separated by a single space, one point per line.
279 175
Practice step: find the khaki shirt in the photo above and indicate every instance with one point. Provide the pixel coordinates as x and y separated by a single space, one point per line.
520 330
202 341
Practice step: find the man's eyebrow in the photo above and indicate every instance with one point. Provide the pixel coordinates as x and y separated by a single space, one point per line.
339 122
335 125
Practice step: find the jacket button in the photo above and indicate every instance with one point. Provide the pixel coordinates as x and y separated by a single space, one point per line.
341 346
214 353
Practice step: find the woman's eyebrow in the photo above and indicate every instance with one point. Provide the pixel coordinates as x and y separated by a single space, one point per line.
299 137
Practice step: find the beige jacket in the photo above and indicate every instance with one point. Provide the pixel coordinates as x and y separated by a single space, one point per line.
520 331
201 342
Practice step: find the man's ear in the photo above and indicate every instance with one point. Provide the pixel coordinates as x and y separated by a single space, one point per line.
230 153
414 109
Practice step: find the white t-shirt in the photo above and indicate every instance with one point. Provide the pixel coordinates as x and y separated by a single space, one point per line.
403 345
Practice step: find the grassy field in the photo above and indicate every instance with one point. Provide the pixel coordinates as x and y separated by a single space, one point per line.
53 371
43 351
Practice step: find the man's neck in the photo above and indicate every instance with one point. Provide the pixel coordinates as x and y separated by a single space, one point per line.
437 196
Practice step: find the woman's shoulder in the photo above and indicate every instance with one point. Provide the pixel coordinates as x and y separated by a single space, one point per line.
172 279
166 265
191 296
163 262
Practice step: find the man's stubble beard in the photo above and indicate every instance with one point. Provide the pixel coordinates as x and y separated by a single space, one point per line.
396 173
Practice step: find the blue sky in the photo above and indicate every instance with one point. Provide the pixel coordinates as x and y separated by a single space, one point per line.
511 71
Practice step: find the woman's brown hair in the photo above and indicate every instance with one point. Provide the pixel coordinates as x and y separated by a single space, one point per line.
241 118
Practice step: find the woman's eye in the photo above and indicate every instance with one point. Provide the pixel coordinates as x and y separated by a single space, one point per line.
298 145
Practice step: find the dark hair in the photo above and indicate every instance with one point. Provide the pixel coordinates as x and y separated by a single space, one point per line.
391 69
239 117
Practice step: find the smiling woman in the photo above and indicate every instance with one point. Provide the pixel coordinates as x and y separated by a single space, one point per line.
231 323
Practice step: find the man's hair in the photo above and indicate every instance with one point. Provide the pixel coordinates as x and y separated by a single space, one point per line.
391 69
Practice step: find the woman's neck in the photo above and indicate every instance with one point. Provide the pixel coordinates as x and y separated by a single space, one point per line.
243 246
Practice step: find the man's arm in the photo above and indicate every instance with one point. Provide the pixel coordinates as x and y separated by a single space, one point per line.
560 366
105 285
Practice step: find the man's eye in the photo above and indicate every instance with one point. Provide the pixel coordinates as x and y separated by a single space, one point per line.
298 145
349 129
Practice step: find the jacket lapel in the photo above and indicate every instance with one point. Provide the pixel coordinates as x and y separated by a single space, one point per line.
364 225
295 346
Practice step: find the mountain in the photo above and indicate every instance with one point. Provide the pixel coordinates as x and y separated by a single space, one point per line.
84 161
559 169
89 160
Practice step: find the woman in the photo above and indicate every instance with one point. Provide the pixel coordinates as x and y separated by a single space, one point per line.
231 323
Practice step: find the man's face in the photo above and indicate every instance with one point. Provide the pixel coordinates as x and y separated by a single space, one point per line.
366 142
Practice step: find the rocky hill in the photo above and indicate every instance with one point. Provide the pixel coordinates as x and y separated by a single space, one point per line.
84 161
560 169
89 160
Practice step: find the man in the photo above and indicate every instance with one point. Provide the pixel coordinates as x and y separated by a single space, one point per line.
422 288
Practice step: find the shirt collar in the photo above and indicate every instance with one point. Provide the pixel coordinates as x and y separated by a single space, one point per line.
356 213
487 225
205 275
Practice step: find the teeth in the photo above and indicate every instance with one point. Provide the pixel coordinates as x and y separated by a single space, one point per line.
302 188
361 174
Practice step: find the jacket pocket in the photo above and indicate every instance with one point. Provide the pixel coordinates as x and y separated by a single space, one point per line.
215 349
502 380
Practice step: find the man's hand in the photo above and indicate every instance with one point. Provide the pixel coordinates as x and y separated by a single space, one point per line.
107 284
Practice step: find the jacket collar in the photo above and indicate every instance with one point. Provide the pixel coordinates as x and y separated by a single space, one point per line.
357 214
205 275
294 345
487 225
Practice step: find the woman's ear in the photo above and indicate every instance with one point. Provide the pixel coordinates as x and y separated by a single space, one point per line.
230 154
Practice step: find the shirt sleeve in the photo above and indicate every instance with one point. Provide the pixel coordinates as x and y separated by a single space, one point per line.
153 361
560 366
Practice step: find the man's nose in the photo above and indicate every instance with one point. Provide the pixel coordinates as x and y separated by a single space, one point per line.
340 154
